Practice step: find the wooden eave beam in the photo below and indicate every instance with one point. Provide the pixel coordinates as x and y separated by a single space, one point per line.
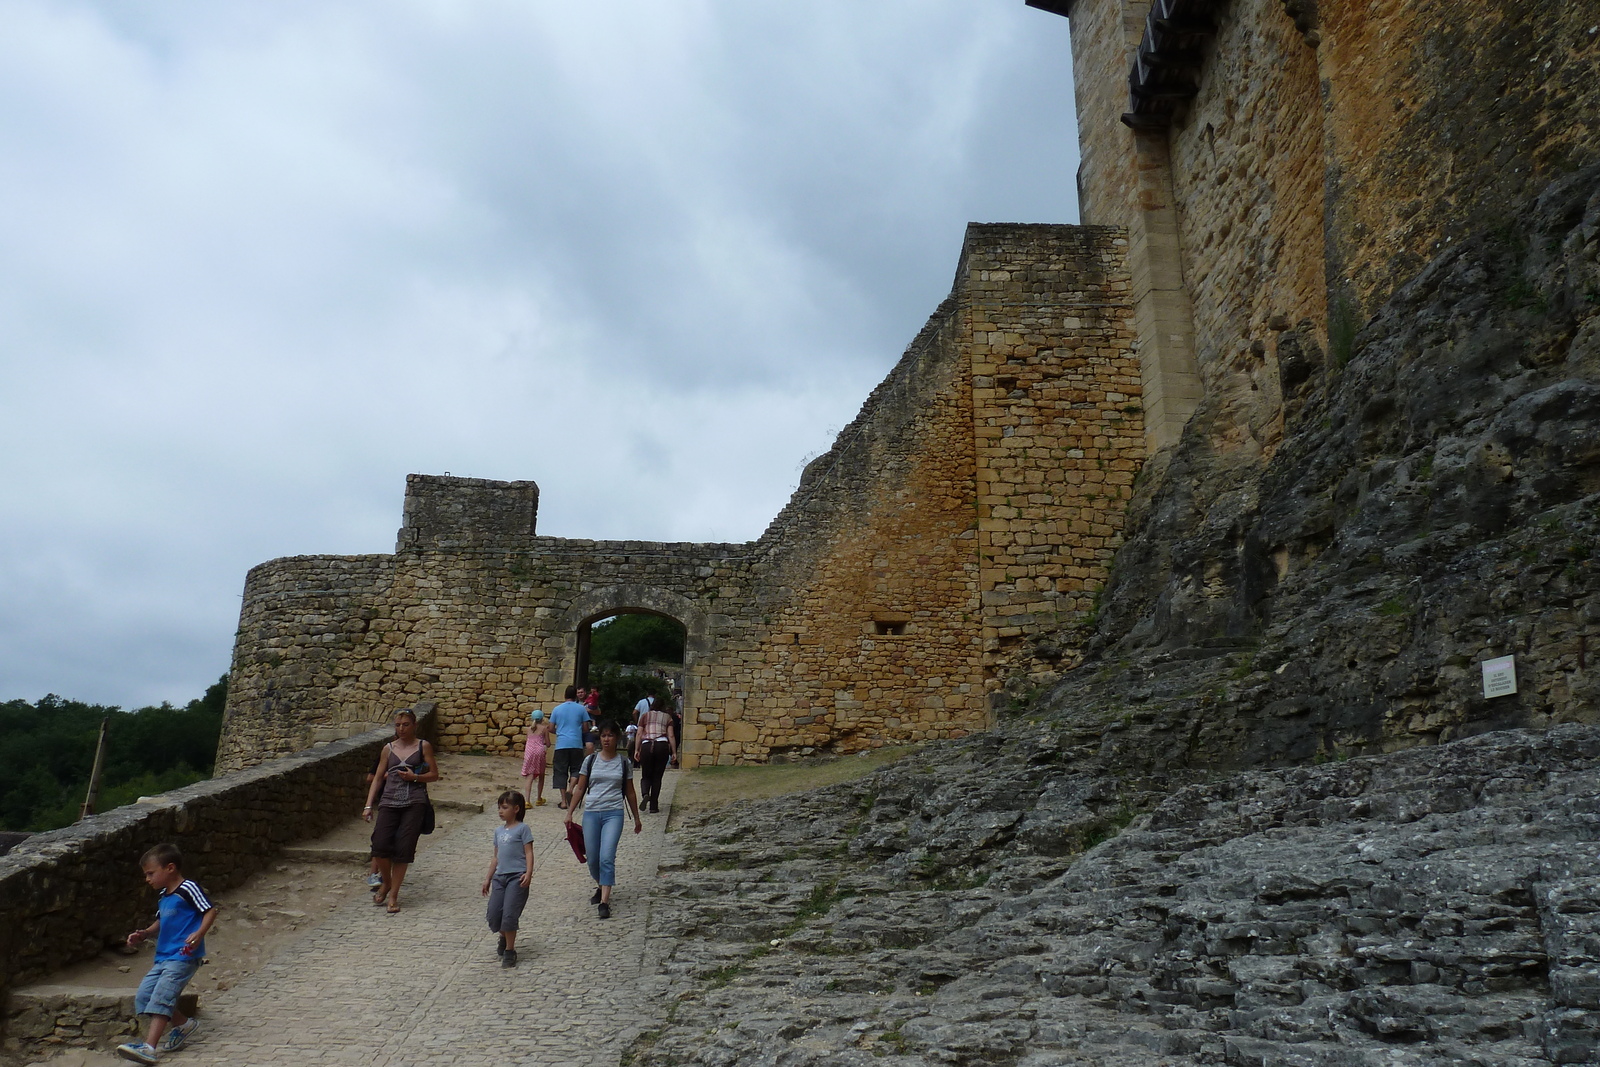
1166 66
1055 7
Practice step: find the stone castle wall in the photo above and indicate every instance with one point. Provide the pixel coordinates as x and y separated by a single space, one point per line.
1321 152
949 540
1060 438
330 643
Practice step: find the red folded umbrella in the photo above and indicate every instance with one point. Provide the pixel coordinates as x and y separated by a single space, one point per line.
575 839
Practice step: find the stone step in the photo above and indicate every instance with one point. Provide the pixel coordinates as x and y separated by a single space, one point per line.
75 1015
360 854
314 854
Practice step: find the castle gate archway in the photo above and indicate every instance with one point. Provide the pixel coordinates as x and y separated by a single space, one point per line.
608 601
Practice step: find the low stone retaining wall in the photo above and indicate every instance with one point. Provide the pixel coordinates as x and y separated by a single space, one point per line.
46 1015
67 894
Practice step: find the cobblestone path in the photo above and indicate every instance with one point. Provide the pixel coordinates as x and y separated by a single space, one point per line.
424 986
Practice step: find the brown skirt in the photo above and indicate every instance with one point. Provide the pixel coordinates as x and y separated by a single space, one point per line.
395 832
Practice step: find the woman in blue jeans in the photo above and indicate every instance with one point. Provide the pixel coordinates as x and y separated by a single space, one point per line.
605 788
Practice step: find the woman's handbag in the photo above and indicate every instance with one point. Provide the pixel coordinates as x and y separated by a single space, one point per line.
428 818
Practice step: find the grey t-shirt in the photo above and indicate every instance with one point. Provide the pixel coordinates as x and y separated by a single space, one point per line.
508 842
606 776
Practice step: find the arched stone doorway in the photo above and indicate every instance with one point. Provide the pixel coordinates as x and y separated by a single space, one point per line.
602 603
586 629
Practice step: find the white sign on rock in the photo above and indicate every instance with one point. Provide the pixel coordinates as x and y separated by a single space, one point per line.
1500 676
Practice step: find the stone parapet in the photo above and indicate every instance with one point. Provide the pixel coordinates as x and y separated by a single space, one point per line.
67 894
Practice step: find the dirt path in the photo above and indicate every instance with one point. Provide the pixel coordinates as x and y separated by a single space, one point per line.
307 971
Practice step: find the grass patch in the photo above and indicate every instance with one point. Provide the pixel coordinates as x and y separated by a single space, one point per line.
712 787
1113 825
821 900
641 1045
1393 606
729 971
956 882
892 1038
1342 327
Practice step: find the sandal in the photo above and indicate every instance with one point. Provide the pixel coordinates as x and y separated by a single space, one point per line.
394 909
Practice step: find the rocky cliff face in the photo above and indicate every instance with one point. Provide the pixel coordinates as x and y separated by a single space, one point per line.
1435 906
1431 499
1313 575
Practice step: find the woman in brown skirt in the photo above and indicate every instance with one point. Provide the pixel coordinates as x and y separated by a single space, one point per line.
397 802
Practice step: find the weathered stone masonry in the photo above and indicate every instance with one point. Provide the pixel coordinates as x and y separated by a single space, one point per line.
948 541
1284 165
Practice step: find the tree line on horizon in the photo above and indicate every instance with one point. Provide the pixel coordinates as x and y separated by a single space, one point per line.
148 751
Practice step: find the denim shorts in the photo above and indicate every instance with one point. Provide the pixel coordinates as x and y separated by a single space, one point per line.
158 993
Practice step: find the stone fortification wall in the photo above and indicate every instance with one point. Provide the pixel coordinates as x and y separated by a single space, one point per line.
330 644
869 590
444 513
298 617
1059 433
1247 172
66 894
1444 120
1325 151
972 505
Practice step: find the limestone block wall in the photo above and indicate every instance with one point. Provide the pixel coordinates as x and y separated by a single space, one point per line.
1329 150
868 592
1441 119
66 894
464 513
1247 170
969 510
1125 180
488 635
291 671
1059 434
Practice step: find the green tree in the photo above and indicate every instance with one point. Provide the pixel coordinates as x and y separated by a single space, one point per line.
148 751
636 639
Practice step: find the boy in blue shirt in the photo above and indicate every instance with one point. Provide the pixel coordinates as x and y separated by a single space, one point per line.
183 918
568 719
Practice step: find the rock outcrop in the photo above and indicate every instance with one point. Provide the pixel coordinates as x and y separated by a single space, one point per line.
1435 906
1431 500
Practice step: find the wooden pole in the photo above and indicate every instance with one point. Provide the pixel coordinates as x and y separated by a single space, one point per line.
93 796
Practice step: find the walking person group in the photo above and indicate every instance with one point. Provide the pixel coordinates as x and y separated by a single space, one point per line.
599 781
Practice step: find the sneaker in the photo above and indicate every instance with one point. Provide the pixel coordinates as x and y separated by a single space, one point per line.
509 959
605 911
500 945
176 1036
374 879
541 802
138 1052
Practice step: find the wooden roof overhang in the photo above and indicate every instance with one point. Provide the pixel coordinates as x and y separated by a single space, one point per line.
1166 67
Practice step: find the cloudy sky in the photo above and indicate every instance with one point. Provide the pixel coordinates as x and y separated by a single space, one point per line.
260 260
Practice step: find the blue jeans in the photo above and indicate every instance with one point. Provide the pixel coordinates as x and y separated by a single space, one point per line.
601 832
158 993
